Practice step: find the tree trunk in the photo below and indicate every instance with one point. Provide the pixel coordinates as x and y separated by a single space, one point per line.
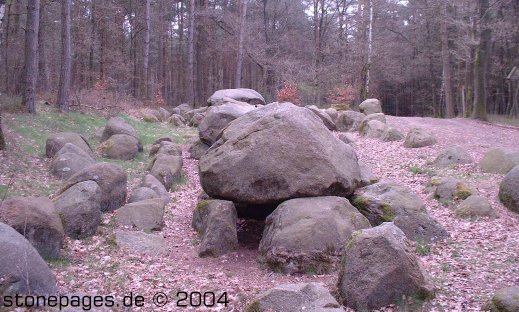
146 54
44 77
66 58
481 63
191 79
31 55
239 62
2 138
370 48
446 64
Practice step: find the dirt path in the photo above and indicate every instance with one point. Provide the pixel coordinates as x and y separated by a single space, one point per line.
480 257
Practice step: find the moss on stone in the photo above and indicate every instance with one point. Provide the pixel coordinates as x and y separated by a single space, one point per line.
254 307
462 191
388 213
360 202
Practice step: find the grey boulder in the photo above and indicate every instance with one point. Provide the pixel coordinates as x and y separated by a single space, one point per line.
278 152
218 117
112 180
499 160
308 234
215 222
142 193
419 137
117 125
37 220
141 242
243 95
326 119
504 300
22 270
311 297
386 201
349 120
80 209
119 146
167 169
56 141
69 160
370 106
144 215
509 190
475 206
453 155
149 181
378 268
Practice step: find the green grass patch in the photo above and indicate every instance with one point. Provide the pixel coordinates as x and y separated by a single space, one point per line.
418 170
149 132
423 249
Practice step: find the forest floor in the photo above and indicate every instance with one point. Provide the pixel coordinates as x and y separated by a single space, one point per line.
480 257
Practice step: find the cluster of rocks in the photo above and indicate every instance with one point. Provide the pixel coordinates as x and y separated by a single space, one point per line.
370 122
145 206
282 163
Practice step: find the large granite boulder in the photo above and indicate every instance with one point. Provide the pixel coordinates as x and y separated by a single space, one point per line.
112 180
56 141
308 234
80 209
120 146
370 106
386 201
243 95
278 152
311 297
453 155
419 137
378 268
509 190
22 270
69 160
215 222
37 220
499 160
218 117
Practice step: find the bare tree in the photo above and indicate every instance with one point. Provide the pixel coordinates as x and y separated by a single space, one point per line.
31 55
146 54
446 64
2 138
191 79
481 63
66 58
239 62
